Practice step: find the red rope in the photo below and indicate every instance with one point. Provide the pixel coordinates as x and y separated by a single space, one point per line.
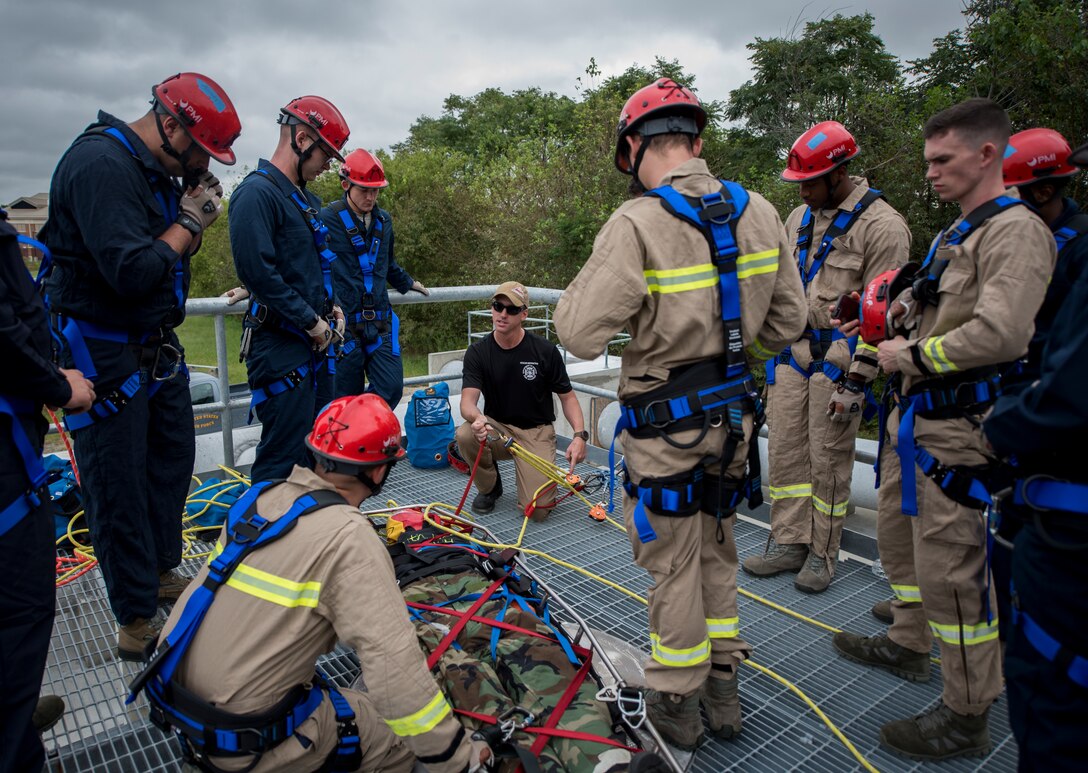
67 445
471 477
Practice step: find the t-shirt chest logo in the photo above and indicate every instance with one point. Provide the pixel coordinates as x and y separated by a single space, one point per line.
529 371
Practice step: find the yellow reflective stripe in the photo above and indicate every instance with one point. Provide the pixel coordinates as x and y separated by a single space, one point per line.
836 511
678 280
422 721
722 627
270 587
864 347
934 349
965 635
907 593
791 492
755 263
758 350
679 658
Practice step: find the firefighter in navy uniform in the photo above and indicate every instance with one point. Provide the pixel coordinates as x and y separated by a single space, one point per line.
361 235
122 231
1042 427
27 592
847 234
698 271
1037 165
294 571
280 253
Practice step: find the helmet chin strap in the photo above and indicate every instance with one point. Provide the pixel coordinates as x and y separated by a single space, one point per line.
638 158
303 156
190 178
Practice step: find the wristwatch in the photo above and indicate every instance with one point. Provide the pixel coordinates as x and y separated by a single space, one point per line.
583 435
857 387
189 223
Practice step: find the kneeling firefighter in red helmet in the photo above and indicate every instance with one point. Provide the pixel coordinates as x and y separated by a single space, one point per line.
295 570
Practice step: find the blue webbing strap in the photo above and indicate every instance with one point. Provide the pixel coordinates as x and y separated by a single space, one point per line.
168 205
46 266
14 512
284 383
1049 647
1041 493
842 223
106 406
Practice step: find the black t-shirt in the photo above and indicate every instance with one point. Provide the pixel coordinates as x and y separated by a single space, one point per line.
517 384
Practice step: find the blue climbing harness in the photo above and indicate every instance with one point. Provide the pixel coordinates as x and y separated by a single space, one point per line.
205 730
705 393
367 256
14 512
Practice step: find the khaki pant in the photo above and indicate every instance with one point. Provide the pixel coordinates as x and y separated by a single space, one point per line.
382 750
895 541
950 565
693 601
810 457
537 440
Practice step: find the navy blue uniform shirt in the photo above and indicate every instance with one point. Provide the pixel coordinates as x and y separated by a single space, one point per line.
347 272
103 229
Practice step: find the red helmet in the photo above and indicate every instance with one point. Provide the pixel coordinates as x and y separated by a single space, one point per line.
354 433
819 150
322 116
361 167
877 300
453 453
663 107
204 109
1036 154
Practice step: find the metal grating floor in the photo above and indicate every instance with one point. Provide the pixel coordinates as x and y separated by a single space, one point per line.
98 733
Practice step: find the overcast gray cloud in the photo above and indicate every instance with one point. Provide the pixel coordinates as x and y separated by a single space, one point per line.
383 64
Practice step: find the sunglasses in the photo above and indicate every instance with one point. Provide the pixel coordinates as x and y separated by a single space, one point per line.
511 310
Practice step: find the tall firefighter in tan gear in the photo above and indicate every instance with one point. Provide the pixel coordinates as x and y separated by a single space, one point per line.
846 234
295 570
967 315
692 270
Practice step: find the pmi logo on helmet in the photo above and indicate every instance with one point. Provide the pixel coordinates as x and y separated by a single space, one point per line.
316 117
189 111
840 150
1047 158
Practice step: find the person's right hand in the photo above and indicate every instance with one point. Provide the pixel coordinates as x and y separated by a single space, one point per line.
480 428
481 758
851 327
83 396
204 202
235 295
320 335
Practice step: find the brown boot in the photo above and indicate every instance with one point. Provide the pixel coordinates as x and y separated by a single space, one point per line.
816 575
134 638
938 734
171 585
882 611
676 718
882 652
776 559
722 706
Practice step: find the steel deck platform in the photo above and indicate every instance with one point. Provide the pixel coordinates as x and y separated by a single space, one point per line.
99 733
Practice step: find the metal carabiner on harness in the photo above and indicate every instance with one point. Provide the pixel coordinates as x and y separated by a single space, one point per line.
509 722
173 367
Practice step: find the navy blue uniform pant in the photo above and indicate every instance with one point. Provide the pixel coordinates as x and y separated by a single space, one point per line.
136 467
1047 710
380 371
27 605
286 420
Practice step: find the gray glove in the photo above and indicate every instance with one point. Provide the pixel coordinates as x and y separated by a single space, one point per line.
340 323
235 295
320 335
418 287
845 404
204 202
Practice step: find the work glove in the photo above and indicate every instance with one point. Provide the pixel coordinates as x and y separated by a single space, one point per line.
846 403
235 295
481 758
418 287
320 335
340 323
904 314
203 202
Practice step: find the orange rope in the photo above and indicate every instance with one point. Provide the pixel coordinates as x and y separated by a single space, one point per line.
67 445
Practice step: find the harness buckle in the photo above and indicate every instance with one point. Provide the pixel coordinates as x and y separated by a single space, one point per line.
649 411
294 378
513 719
247 531
369 315
967 401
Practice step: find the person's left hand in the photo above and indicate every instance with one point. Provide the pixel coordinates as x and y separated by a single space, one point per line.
576 452
887 353
418 287
235 295
845 405
340 323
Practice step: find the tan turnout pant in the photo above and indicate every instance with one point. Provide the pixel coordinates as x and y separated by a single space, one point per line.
537 440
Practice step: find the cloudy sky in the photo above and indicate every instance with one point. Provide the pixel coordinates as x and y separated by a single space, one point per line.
383 64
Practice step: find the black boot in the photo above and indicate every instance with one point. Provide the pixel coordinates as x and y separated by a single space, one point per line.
485 503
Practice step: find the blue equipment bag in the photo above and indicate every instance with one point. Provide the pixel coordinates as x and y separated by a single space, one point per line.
428 425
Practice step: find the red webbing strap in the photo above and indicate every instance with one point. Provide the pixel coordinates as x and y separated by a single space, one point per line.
561 706
493 623
552 732
450 637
